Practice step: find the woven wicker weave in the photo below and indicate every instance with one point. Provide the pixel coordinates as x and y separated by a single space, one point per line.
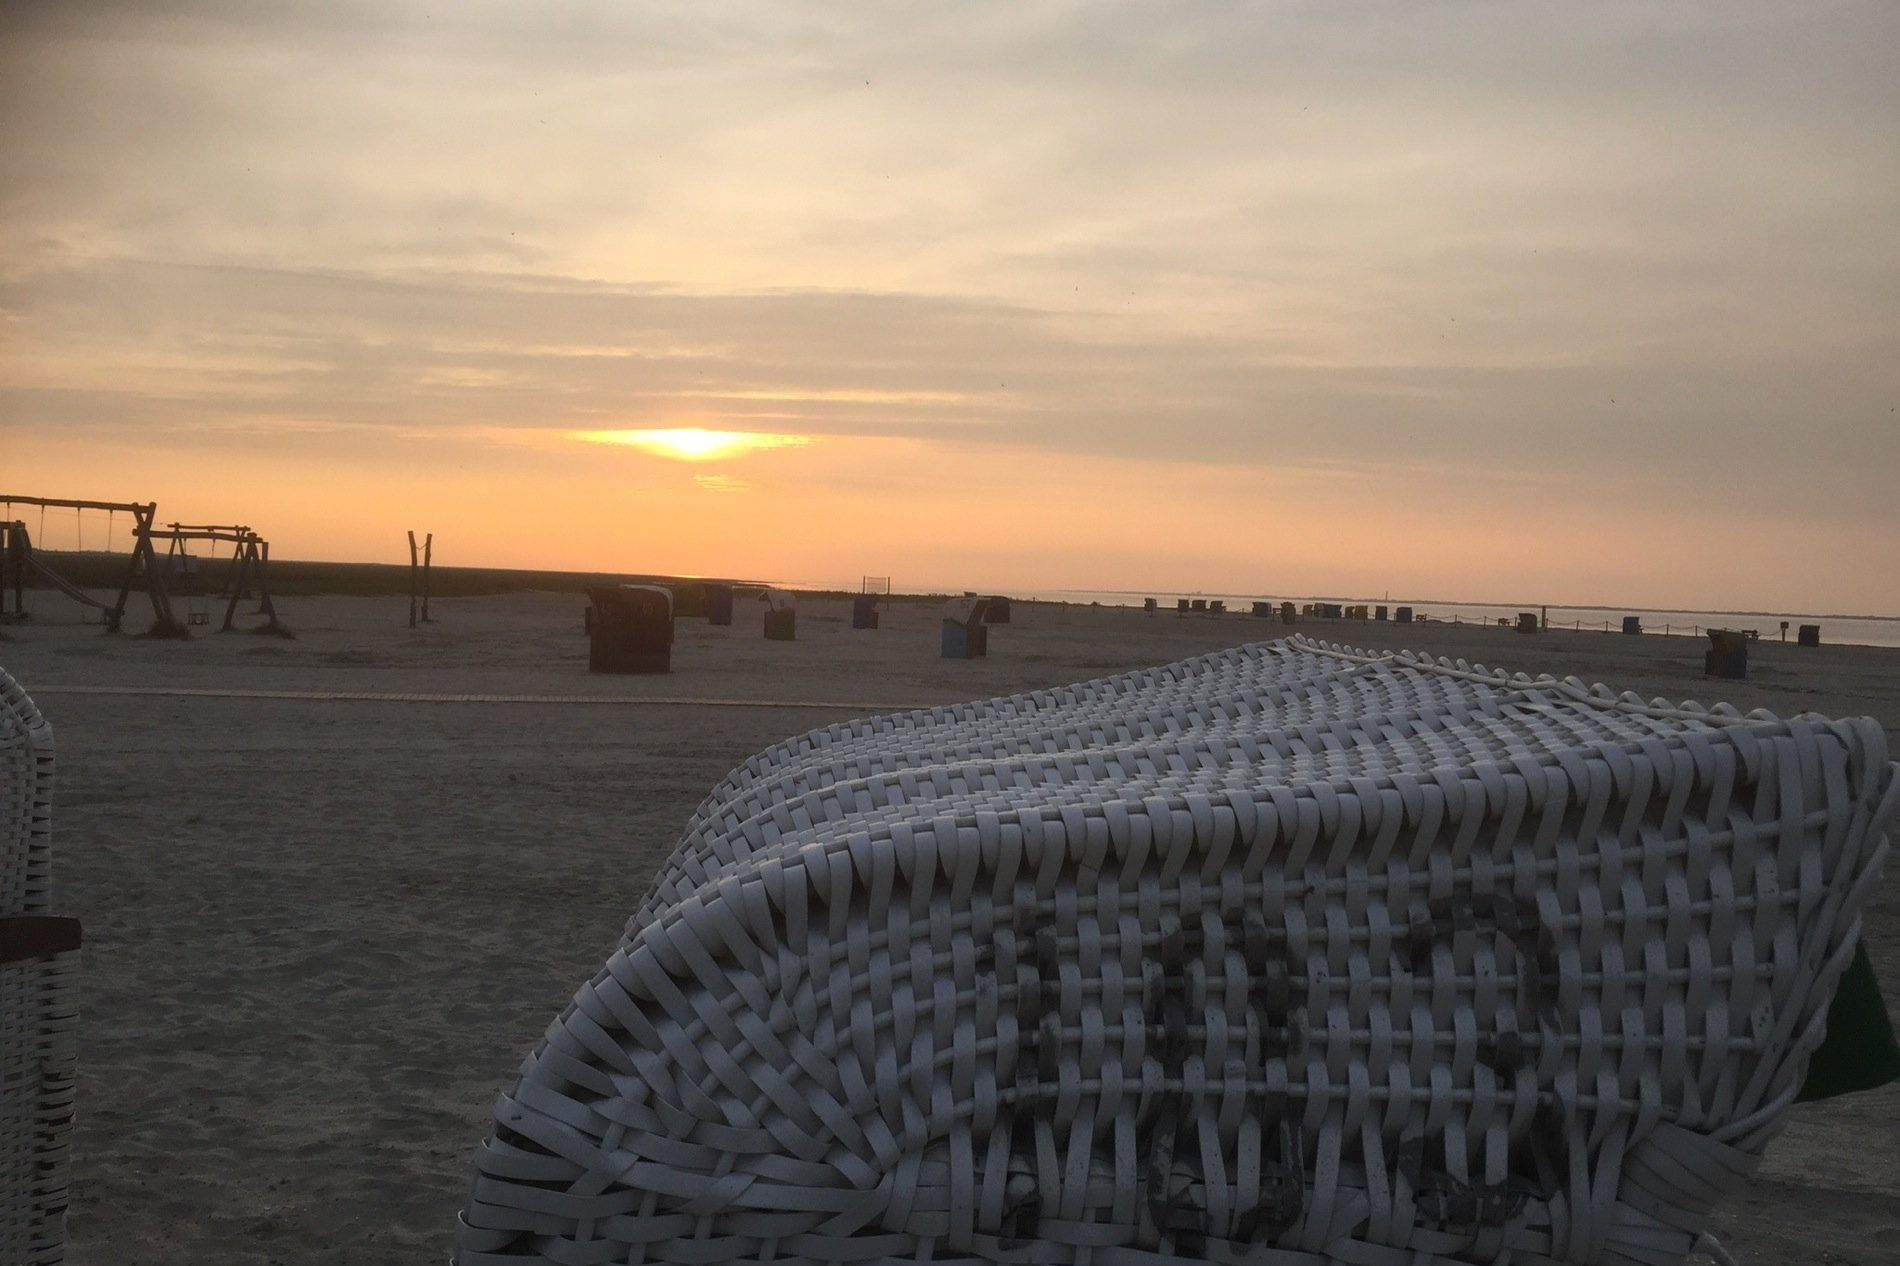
1288 954
37 1016
26 803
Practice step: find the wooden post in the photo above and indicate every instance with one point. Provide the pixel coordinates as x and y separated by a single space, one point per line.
234 589
260 554
412 580
428 549
6 549
241 582
144 556
240 571
10 544
142 517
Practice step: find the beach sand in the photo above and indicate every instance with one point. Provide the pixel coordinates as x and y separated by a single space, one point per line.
322 933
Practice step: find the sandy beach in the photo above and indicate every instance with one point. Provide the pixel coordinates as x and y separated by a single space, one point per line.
321 932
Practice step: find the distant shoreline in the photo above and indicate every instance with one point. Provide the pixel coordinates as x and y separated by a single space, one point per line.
93 569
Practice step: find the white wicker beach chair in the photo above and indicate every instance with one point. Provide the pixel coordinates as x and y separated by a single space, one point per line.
1285 955
39 960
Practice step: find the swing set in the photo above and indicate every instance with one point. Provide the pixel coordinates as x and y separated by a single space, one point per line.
19 556
248 567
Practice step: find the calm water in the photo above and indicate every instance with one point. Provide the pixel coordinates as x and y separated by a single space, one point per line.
1858 630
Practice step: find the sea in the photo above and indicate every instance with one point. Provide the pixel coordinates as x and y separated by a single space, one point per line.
1855 630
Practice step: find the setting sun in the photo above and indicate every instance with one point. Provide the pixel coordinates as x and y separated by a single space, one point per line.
694 444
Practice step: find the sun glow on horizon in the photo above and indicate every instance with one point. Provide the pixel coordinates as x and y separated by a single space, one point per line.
694 444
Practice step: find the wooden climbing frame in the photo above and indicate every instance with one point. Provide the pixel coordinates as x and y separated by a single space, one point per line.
19 557
249 561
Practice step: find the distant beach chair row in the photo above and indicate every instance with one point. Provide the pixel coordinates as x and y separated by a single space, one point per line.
1287 612
630 626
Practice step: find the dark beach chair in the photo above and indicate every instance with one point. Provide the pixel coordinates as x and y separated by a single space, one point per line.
1727 655
719 605
629 629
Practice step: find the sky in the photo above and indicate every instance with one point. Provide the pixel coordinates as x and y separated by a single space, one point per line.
1566 303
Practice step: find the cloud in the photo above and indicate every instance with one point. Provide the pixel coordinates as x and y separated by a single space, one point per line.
1490 252
164 345
125 342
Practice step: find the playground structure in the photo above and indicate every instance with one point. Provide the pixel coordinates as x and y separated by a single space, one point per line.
20 556
248 567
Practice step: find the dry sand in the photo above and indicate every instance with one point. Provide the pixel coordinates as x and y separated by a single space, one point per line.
321 933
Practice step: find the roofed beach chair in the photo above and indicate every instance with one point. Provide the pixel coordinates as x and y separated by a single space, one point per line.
719 605
39 962
781 615
629 629
1287 954
964 629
